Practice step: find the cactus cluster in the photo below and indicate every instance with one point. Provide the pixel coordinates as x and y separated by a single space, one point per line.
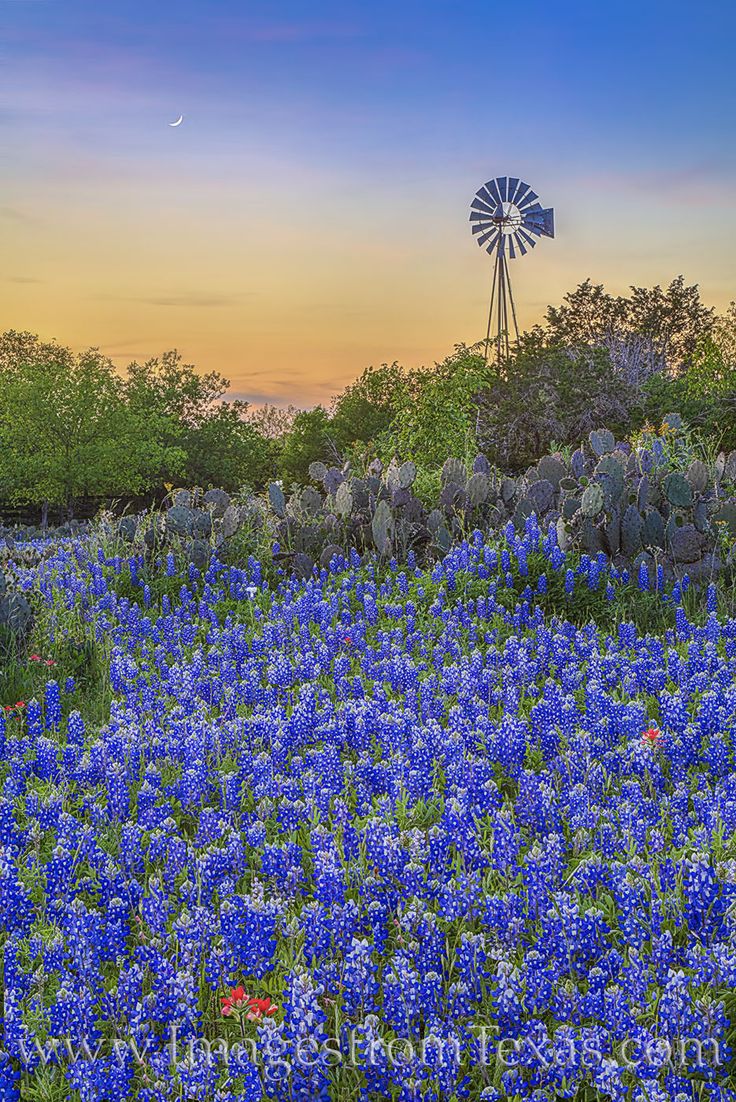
609 496
193 519
629 503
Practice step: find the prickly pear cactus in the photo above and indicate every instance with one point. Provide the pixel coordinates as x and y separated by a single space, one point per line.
343 500
609 474
277 499
476 489
541 494
317 471
592 501
602 441
407 474
678 490
382 527
631 525
552 469
697 475
453 470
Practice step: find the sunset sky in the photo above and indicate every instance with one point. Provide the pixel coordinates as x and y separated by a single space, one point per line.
309 217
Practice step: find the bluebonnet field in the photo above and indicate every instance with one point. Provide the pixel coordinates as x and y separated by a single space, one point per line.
380 834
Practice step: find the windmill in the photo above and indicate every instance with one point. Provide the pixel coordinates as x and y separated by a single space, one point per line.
507 219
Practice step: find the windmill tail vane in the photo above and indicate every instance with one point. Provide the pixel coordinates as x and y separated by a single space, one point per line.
507 218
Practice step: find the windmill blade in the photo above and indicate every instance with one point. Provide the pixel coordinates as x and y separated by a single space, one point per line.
501 243
484 232
520 244
492 187
521 191
481 227
480 216
489 235
483 195
527 200
481 205
534 214
513 185
512 254
527 237
502 181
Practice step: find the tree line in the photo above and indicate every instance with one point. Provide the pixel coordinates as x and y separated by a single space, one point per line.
72 426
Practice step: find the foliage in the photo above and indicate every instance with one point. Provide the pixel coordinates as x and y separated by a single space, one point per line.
437 417
366 409
273 422
221 442
549 392
225 449
308 440
66 431
649 331
705 394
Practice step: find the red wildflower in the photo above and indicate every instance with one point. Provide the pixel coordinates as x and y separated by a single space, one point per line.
237 1003
20 704
652 736
347 639
260 1008
35 658
50 662
234 1001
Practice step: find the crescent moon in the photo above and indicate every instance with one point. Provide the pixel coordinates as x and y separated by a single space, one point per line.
178 121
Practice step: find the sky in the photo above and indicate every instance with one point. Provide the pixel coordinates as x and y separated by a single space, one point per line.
309 217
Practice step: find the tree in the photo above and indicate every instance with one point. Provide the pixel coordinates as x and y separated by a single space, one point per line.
648 332
308 440
221 441
19 349
66 431
437 416
705 394
549 393
366 408
273 422
226 450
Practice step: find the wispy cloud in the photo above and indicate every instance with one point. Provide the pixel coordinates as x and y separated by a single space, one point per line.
188 300
194 300
705 182
24 279
15 215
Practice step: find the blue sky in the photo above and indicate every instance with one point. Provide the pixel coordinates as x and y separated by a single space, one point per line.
310 214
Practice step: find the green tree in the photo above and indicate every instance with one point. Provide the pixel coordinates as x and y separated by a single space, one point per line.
18 349
66 431
649 331
367 407
225 449
177 401
308 440
705 394
437 417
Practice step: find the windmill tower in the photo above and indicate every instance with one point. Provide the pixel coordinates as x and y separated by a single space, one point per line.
507 219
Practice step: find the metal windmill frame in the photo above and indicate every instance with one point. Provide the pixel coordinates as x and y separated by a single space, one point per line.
507 219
